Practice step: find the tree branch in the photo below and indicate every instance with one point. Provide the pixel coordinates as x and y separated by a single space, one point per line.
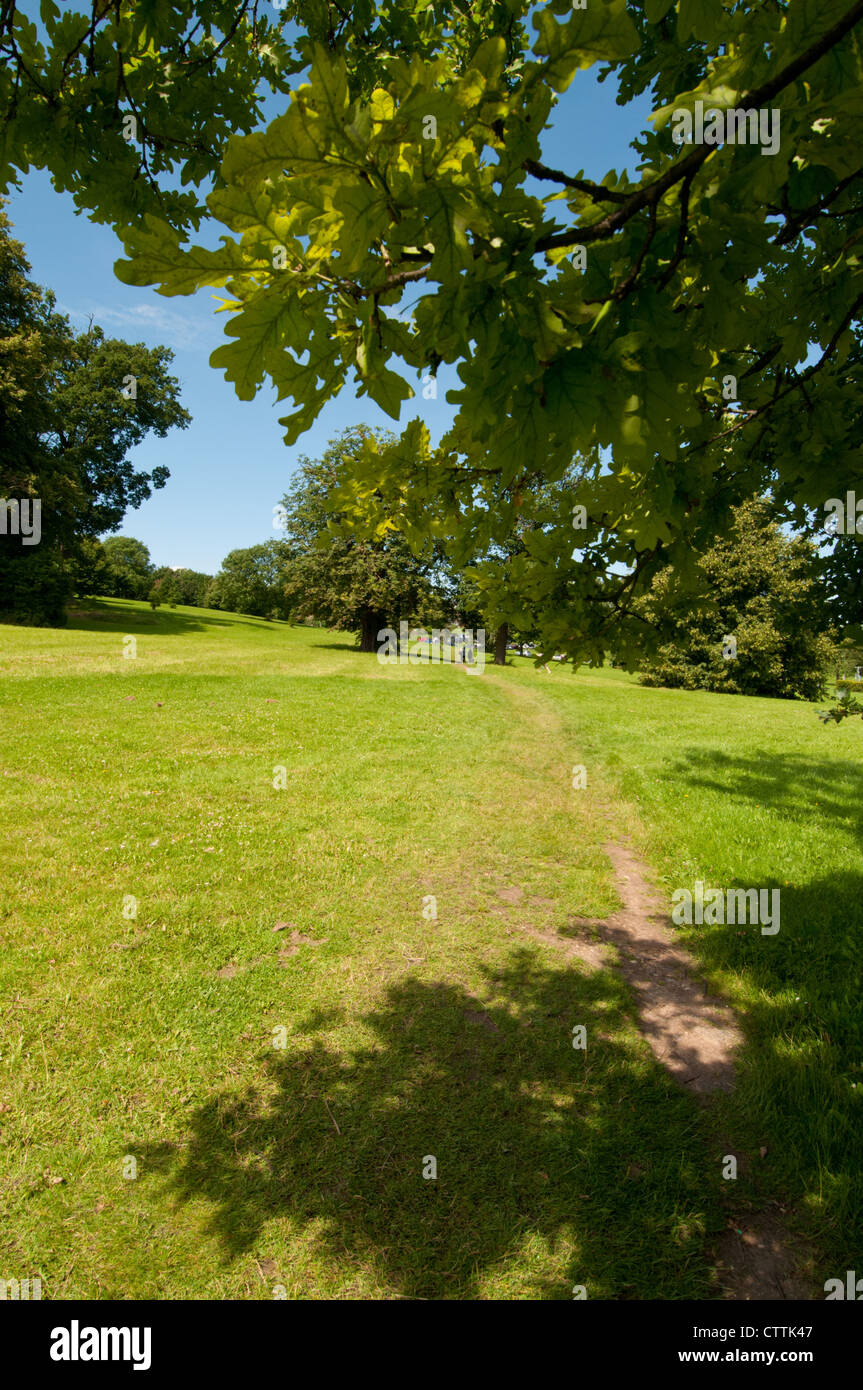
682 233
688 167
593 190
797 384
626 286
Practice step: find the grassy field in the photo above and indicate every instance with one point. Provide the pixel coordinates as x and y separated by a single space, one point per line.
196 1104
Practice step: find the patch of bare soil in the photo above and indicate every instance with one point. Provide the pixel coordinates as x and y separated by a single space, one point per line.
695 1038
290 949
297 939
756 1262
577 947
692 1035
511 895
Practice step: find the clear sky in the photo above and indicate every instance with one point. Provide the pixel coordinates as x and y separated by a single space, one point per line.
231 466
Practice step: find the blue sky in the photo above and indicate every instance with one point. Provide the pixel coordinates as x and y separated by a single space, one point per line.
231 466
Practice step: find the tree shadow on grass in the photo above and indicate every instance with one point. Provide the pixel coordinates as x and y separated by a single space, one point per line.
581 1167
799 785
91 616
819 945
347 646
799 1088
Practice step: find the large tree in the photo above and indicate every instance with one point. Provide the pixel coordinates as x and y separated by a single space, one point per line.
507 605
189 586
34 581
249 581
72 406
129 566
756 621
399 214
351 585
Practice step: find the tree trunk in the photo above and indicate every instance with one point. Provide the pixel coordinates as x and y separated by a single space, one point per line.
500 644
370 626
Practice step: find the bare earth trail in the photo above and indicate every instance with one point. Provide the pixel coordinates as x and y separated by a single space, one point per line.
692 1035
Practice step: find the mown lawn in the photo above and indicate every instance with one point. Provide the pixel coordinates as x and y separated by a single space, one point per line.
278 1093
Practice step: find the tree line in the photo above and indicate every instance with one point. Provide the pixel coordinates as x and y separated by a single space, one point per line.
760 617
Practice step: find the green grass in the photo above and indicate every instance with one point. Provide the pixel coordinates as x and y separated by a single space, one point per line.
301 1165
742 792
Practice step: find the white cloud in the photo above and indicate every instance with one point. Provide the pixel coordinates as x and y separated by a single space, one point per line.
176 329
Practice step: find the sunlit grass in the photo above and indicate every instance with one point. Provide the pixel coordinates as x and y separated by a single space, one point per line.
150 1037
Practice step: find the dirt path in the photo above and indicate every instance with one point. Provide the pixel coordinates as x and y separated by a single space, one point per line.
695 1038
693 1035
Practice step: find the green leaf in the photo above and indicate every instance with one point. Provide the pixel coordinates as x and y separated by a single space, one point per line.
155 258
602 31
489 58
330 85
387 390
365 218
655 10
266 324
700 19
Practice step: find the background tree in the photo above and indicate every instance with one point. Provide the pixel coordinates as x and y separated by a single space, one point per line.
192 586
759 598
250 581
95 423
34 580
129 567
66 428
349 585
91 573
496 575
166 588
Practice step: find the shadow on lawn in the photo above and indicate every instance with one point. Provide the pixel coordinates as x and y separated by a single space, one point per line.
819 946
93 616
594 1154
799 1083
800 1077
346 646
794 783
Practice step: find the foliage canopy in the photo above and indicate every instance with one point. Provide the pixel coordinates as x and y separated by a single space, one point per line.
398 215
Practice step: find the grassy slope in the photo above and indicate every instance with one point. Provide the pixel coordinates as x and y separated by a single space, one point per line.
302 1165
